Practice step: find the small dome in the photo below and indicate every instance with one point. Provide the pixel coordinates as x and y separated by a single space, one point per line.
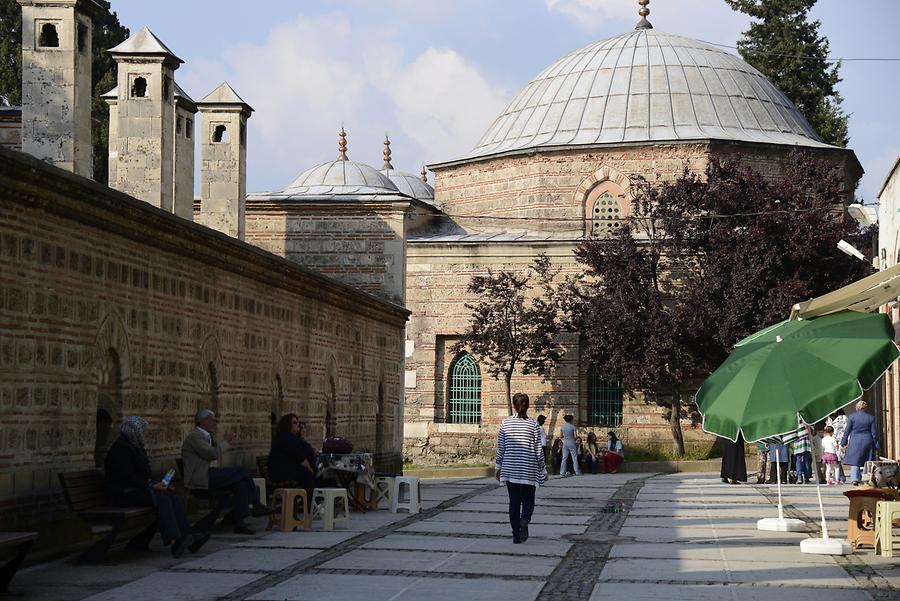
646 86
411 185
342 176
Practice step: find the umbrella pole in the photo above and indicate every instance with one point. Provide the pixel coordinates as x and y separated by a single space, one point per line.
778 476
781 523
821 508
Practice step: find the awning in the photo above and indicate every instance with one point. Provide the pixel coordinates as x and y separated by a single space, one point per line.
865 295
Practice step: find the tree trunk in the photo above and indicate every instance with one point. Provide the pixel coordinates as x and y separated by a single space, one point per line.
675 424
508 382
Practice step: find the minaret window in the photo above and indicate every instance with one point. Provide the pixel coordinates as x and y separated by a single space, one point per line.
243 134
139 88
178 124
82 37
49 37
188 128
220 134
166 86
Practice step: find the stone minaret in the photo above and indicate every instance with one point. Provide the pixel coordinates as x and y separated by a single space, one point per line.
56 82
145 143
183 195
223 161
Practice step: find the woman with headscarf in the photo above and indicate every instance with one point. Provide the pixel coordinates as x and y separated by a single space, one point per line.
520 465
129 483
860 440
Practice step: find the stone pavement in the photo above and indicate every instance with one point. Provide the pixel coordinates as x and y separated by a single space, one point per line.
624 536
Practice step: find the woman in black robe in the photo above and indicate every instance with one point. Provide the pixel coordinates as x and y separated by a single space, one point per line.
734 465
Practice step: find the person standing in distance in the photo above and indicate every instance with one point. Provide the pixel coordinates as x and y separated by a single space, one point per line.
570 446
520 465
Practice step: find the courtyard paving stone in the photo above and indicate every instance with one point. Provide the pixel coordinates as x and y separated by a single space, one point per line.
626 536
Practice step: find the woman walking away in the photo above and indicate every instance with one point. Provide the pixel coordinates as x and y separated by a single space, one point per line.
520 465
615 453
570 446
734 466
860 440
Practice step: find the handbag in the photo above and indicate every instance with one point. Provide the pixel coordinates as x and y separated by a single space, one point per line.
337 445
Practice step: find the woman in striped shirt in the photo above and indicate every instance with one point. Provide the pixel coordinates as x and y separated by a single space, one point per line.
520 465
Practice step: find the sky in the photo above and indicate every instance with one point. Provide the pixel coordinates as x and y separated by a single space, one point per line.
434 74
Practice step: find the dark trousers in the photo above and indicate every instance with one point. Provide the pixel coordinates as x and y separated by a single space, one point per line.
773 472
171 516
521 504
592 463
237 481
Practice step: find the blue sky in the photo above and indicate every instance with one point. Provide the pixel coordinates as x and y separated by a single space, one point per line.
435 73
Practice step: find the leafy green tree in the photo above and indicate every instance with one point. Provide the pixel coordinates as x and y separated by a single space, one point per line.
784 45
514 323
107 32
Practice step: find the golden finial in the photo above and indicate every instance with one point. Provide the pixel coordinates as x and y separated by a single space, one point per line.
644 13
424 174
342 145
387 153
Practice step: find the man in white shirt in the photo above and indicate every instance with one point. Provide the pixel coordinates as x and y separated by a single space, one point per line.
544 443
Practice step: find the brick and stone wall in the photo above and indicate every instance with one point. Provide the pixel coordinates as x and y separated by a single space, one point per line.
547 194
108 304
11 127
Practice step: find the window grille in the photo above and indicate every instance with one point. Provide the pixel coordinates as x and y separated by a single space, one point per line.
465 391
606 216
604 400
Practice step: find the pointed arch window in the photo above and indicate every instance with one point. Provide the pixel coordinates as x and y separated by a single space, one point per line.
605 208
604 400
465 391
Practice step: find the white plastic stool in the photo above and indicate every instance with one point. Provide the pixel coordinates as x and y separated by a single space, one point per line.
383 487
412 504
324 501
261 487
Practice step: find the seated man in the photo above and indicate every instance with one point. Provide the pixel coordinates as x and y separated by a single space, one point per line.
199 451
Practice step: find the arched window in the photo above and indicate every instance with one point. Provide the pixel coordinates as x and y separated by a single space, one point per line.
139 88
604 400
209 397
109 405
465 391
330 417
220 134
49 37
605 207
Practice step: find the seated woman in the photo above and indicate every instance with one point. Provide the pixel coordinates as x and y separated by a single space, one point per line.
289 464
580 451
592 453
556 455
129 484
615 453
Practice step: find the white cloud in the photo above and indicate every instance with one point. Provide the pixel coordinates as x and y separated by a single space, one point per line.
313 74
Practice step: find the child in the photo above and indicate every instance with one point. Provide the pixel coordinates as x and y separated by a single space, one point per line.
829 455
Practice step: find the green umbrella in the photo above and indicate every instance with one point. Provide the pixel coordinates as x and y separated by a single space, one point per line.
808 368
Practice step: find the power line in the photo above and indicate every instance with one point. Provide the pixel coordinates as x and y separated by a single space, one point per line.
810 57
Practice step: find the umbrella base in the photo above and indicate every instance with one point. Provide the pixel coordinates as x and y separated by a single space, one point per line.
825 546
781 525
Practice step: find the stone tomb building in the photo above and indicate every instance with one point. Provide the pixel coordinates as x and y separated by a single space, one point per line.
113 302
553 169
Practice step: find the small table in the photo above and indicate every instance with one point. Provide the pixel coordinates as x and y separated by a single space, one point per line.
349 469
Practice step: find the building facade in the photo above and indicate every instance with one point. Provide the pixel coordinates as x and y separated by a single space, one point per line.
887 395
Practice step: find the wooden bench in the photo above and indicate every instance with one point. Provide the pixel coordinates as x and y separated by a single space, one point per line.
85 497
20 542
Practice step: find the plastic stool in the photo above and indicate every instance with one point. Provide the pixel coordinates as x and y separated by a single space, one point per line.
324 502
413 503
261 489
383 487
284 502
885 540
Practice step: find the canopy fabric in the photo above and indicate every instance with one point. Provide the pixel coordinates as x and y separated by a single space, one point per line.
865 295
796 369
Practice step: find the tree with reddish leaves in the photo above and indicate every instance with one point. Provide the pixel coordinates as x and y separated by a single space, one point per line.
515 323
704 262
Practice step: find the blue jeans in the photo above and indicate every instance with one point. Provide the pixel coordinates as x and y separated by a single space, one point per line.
521 504
856 473
570 453
804 470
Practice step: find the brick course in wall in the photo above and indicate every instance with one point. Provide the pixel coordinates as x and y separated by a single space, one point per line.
107 302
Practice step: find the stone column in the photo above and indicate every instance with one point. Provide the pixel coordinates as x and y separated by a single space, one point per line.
56 83
223 161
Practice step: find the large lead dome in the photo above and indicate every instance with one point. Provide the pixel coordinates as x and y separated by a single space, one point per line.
646 86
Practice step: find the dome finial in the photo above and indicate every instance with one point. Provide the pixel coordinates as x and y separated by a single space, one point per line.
342 144
644 13
387 153
424 174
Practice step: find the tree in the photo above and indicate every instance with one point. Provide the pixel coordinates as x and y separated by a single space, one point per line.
512 327
107 32
786 47
704 262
